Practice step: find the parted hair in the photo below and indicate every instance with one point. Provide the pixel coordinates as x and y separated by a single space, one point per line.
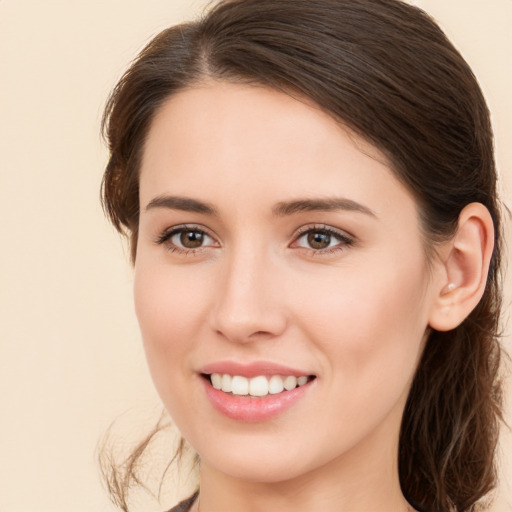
386 70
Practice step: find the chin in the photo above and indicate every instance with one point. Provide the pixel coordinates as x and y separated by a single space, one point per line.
255 469
262 459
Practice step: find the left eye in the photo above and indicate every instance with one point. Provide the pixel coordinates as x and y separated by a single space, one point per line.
321 239
189 238
186 238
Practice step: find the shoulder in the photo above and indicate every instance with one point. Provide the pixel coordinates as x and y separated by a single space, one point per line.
184 506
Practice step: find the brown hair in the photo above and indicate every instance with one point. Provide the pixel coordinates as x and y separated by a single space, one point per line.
387 71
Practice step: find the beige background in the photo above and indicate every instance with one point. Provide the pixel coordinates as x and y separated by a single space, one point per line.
70 354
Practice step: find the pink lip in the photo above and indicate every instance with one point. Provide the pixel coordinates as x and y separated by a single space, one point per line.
247 409
251 369
252 410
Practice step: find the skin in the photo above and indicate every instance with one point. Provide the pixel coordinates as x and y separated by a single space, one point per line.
355 314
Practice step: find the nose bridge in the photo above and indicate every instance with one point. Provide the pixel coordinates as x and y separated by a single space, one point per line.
247 306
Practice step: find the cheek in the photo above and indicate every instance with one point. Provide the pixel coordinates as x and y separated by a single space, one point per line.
369 323
369 335
169 310
168 299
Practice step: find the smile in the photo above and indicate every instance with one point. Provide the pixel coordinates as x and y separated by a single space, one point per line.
258 398
259 386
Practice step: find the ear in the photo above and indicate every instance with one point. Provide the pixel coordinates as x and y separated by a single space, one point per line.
464 265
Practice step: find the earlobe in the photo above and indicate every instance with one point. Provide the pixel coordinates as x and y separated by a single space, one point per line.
465 264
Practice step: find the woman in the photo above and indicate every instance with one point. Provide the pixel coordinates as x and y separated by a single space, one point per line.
310 195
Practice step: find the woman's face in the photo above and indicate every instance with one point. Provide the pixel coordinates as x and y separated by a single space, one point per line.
274 244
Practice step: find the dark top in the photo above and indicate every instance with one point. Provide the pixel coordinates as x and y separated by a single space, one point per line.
185 505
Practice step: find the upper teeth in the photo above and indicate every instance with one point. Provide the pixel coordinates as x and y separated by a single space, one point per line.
257 386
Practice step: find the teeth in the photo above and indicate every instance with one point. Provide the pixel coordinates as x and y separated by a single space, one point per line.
291 382
239 385
301 381
275 385
257 386
226 383
216 381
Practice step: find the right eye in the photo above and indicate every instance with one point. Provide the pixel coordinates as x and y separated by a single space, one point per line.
186 239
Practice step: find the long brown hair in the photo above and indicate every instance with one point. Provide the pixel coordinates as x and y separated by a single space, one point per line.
386 70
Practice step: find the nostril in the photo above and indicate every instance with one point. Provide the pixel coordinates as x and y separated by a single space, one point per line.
244 335
247 316
261 333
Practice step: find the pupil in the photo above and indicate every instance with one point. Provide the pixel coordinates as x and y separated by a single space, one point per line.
191 239
319 240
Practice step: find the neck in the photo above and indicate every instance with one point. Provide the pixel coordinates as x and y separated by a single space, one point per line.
292 497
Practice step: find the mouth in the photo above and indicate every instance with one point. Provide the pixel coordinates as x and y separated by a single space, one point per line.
255 391
258 386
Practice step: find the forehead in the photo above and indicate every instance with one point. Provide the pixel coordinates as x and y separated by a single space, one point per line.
254 140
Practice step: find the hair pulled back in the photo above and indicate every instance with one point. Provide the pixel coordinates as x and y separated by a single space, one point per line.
386 70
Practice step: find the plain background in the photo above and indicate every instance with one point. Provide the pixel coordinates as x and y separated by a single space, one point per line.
71 360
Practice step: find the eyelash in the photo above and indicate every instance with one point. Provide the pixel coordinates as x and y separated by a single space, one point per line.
167 235
343 238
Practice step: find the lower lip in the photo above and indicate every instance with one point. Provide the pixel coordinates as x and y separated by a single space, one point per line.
251 410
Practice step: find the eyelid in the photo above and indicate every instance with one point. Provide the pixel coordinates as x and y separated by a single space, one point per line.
165 236
345 239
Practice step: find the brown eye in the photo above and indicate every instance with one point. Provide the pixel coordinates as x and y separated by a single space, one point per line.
191 239
318 240
186 238
323 240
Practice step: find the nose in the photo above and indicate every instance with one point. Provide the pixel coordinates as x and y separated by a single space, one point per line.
249 303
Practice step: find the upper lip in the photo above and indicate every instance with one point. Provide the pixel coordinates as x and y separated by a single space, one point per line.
253 369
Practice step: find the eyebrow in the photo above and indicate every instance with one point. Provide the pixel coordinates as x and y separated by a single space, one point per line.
185 204
320 205
281 209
